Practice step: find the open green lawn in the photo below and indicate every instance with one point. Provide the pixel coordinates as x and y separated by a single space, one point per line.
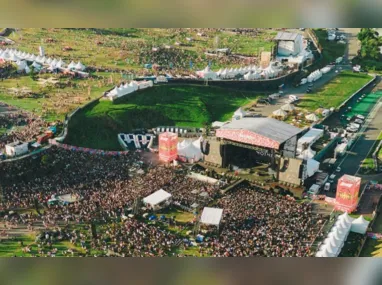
335 92
331 49
124 48
52 103
168 105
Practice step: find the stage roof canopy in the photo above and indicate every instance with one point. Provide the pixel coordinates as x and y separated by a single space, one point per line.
285 36
263 132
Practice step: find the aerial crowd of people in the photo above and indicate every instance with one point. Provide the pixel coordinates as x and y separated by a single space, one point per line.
254 223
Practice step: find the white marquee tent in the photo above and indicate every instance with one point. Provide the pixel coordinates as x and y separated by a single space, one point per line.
211 216
157 198
360 225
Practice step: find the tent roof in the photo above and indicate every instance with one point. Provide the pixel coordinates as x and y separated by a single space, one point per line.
285 36
266 127
279 112
312 117
310 136
211 216
157 197
288 107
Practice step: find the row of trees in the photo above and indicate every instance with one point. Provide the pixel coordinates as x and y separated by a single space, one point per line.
370 44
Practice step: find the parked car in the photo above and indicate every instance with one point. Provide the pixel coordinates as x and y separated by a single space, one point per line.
338 169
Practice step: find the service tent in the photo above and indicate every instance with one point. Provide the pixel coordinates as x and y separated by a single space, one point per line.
346 217
239 114
279 113
359 225
157 198
211 216
80 66
288 107
71 65
188 150
312 167
312 117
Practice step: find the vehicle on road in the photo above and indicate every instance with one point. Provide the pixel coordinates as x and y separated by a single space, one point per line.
309 90
327 186
338 169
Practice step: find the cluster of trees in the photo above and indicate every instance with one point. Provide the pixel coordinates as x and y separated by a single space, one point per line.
370 44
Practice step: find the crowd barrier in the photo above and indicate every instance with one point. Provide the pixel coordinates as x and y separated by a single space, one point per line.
88 150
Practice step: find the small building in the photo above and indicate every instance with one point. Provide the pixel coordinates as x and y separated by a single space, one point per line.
16 148
158 200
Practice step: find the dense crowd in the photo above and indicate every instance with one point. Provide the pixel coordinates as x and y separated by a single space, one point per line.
25 125
261 223
255 223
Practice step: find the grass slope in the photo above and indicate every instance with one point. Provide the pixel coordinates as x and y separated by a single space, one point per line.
335 92
180 105
331 49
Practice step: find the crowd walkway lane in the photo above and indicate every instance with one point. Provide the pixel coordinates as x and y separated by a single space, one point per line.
368 135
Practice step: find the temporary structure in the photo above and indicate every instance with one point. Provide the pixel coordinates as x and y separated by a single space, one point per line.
157 199
279 113
211 216
72 65
288 107
80 66
189 151
312 117
239 114
359 225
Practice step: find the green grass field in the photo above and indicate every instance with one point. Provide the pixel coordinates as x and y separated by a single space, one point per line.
52 103
334 93
180 105
124 48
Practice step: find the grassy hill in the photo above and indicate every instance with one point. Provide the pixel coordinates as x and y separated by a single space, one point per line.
182 105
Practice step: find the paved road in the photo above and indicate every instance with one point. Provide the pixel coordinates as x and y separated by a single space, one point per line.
360 150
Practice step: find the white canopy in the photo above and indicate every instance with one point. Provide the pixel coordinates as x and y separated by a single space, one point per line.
279 113
157 197
360 225
239 113
72 65
190 151
312 117
345 216
288 107
312 167
80 66
211 216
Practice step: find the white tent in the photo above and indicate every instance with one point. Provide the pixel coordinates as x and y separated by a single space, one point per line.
71 65
157 198
323 253
279 113
346 217
239 114
21 65
359 225
288 107
312 117
188 150
36 65
211 216
80 66
312 167
60 63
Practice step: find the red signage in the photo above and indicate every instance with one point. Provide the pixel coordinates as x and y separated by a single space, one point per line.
247 137
168 146
347 193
